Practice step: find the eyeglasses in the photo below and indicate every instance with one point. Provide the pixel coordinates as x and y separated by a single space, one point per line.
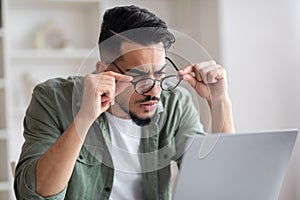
167 83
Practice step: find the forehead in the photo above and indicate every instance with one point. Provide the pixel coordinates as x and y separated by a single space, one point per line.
135 55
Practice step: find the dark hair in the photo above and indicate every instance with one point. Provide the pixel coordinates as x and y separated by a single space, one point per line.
135 24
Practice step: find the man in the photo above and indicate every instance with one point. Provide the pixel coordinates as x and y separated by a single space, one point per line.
77 131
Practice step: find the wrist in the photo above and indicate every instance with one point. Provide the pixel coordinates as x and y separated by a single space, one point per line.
85 117
221 100
82 124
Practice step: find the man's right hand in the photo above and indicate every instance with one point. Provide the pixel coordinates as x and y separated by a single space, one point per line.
99 93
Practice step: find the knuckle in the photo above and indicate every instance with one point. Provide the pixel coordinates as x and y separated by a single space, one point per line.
210 75
213 62
88 77
202 70
111 81
110 73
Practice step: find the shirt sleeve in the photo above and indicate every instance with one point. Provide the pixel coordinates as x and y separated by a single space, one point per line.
40 132
189 125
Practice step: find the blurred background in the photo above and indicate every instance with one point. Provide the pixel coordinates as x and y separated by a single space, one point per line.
258 42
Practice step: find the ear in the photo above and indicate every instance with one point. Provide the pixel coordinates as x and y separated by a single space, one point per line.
100 67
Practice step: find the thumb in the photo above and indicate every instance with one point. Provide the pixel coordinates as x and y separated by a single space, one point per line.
190 79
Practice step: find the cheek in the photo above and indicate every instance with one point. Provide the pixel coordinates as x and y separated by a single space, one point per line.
126 98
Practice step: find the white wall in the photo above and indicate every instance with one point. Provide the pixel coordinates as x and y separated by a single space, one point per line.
256 41
259 48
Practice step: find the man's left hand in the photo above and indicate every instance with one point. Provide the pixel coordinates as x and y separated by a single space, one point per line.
208 79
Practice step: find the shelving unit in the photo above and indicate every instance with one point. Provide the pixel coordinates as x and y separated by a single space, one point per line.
32 61
33 54
26 60
5 178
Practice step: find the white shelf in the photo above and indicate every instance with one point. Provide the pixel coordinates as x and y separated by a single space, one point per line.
2 83
4 186
55 54
3 134
61 1
1 32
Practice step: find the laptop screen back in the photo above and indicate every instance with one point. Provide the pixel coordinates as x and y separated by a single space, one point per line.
247 166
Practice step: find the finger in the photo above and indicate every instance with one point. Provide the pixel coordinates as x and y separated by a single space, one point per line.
187 70
222 73
105 105
119 85
190 68
106 90
211 76
190 79
208 63
118 76
205 73
215 74
104 98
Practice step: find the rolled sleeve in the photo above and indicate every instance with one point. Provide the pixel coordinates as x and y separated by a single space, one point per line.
41 130
25 183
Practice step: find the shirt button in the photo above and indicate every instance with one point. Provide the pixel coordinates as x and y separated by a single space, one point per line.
107 189
166 156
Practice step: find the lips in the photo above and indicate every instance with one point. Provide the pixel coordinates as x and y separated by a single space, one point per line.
149 105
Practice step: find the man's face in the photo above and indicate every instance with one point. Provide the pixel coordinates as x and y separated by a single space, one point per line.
142 62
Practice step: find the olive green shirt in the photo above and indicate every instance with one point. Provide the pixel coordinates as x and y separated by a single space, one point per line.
53 107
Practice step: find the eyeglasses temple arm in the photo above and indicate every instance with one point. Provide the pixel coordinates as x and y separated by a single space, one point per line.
172 63
114 64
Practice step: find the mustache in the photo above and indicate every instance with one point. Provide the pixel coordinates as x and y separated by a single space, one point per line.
148 98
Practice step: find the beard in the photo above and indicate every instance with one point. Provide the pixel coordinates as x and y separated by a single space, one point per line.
138 120
135 118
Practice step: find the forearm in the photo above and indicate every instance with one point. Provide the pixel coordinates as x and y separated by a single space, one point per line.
222 118
55 167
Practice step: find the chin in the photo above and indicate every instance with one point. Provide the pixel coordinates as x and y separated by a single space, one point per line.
146 113
143 118
140 120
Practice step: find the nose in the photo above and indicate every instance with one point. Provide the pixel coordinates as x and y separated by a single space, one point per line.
155 90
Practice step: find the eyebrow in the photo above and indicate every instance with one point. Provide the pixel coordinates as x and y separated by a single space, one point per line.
141 72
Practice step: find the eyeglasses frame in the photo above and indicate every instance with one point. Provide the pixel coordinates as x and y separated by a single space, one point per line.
134 83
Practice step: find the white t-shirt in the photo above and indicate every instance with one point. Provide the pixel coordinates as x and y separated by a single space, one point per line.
125 137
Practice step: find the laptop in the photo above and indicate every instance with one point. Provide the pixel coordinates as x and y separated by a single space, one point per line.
242 166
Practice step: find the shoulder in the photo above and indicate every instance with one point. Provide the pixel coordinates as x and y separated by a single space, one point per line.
177 101
57 90
58 86
59 83
179 94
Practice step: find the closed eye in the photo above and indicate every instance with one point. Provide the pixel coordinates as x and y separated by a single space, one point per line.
160 73
139 73
136 72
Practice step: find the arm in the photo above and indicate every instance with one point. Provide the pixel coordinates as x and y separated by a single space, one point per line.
55 167
48 155
222 118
